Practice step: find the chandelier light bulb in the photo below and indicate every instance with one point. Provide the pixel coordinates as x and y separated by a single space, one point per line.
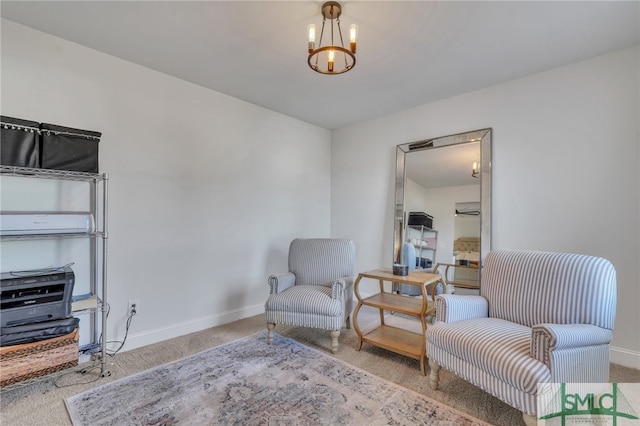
311 32
331 59
353 37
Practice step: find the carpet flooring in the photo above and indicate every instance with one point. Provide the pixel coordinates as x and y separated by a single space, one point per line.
249 382
42 403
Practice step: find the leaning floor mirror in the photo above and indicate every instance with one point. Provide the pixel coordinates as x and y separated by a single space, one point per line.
442 214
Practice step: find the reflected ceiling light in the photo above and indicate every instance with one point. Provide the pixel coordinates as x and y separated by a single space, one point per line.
475 170
328 59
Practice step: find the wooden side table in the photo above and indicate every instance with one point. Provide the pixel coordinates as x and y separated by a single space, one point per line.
395 339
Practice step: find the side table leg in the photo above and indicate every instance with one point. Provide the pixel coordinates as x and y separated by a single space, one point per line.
355 325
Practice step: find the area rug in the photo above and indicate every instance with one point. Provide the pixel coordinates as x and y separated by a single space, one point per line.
248 382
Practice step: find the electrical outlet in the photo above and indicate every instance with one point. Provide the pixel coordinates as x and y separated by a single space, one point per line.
133 307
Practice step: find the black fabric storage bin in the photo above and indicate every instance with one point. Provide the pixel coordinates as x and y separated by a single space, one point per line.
19 142
64 148
420 219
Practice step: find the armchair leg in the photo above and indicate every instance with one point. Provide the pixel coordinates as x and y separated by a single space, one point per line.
334 340
270 328
434 375
529 420
348 322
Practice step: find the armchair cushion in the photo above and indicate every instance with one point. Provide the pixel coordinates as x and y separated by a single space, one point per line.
307 299
499 348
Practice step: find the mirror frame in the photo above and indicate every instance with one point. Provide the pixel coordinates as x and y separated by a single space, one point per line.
484 136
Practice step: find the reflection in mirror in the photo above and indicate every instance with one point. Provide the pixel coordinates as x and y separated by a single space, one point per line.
443 205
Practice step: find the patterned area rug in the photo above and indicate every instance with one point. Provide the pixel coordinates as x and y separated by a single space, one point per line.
248 382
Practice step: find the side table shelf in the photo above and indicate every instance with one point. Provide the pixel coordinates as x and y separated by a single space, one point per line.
395 339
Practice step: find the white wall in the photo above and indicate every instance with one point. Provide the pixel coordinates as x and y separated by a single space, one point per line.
206 191
565 171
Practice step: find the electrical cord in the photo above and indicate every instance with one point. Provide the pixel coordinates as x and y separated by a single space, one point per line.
83 371
95 365
126 333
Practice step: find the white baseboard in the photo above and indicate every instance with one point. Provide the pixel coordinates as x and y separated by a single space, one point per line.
620 356
148 337
625 357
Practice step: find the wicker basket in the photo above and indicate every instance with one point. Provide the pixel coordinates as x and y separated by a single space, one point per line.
30 360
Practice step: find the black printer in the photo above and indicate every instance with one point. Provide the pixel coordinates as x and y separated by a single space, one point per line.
36 305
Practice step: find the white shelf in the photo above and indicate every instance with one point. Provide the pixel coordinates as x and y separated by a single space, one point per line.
51 236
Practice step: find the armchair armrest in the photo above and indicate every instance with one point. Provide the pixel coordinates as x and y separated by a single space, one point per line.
546 338
280 282
339 286
454 307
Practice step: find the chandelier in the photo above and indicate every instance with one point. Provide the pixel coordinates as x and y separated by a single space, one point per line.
475 169
332 58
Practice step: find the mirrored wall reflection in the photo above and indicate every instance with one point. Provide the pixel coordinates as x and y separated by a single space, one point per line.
443 202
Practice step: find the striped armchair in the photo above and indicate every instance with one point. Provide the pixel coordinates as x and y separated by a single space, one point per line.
317 292
540 318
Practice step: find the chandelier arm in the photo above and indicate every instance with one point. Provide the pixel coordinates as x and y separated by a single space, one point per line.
324 20
344 55
331 26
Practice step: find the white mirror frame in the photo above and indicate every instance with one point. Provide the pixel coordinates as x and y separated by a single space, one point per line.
484 137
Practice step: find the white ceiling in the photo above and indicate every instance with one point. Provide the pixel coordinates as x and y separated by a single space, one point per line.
444 166
409 53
